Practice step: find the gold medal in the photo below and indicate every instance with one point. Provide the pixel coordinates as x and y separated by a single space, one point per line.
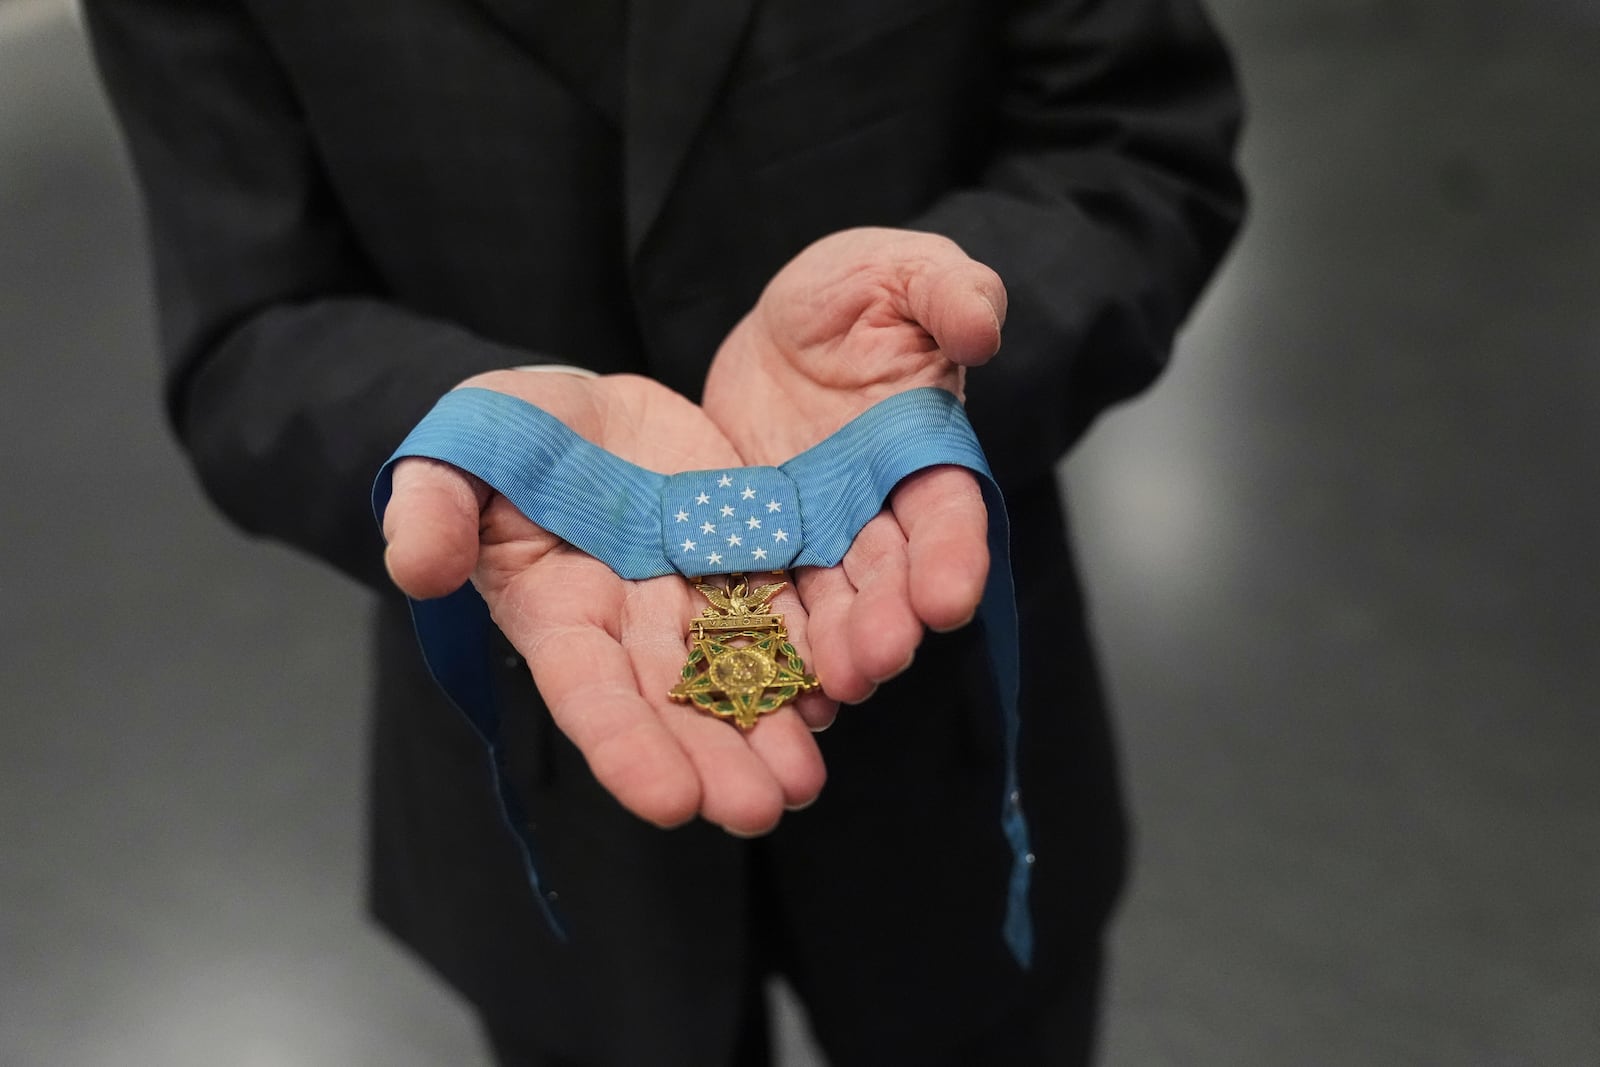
742 665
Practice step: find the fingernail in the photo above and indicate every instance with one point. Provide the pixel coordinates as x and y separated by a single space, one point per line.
862 699
957 626
903 667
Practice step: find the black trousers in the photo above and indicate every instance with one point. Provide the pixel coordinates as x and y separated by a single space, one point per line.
1057 1029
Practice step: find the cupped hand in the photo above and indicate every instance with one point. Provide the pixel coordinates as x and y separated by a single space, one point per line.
603 650
853 319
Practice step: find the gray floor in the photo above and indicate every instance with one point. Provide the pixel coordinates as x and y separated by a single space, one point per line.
1343 562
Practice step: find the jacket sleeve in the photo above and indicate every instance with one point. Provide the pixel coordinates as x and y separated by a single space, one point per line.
289 379
1107 199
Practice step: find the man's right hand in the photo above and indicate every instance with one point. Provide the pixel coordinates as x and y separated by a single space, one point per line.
604 650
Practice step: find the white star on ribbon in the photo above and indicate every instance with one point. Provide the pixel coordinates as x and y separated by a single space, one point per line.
780 535
759 553
688 546
708 527
734 540
773 505
727 510
681 516
748 494
753 523
715 557
724 481
702 499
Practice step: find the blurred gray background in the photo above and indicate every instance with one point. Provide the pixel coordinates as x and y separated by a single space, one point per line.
1343 562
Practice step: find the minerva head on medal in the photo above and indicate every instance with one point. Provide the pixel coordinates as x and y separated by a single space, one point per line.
742 665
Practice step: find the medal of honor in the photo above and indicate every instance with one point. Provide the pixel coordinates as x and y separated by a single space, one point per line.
742 665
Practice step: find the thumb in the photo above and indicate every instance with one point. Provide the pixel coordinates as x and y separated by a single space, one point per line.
431 525
958 300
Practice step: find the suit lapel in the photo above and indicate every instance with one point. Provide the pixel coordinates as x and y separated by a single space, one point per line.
581 44
678 54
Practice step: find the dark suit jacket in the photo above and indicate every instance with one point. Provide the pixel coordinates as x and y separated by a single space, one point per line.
355 206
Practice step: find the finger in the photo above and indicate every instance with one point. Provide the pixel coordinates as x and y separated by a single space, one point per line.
815 707
738 789
884 631
784 742
958 300
431 526
946 525
563 615
781 742
942 514
829 598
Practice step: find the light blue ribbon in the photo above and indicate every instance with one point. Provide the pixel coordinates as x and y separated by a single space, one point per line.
641 524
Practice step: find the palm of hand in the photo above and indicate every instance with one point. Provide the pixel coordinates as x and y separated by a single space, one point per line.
855 318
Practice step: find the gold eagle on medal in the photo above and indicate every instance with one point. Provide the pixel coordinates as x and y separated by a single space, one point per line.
736 601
